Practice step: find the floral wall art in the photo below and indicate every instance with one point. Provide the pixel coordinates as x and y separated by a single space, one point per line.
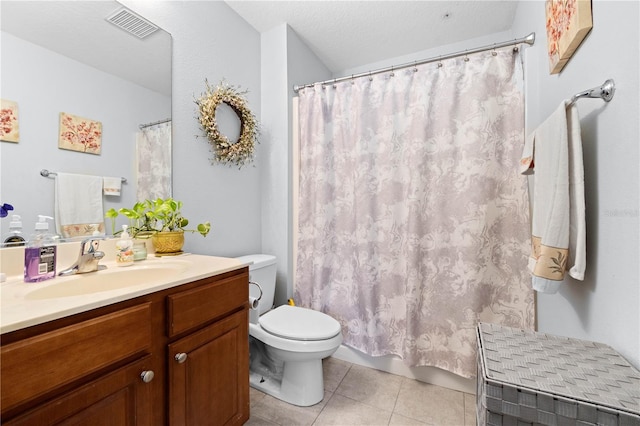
9 131
568 23
80 134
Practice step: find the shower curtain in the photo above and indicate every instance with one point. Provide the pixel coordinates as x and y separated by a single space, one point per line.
413 219
153 149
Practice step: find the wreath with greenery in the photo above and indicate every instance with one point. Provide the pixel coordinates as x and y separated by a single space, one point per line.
225 151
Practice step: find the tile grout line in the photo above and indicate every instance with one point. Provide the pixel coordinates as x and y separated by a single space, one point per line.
332 394
395 403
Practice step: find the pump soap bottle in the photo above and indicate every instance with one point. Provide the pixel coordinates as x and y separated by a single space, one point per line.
124 247
40 253
15 238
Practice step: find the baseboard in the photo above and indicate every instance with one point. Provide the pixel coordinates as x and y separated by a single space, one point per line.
394 365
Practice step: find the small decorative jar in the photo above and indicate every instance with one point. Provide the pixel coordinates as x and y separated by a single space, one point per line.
139 250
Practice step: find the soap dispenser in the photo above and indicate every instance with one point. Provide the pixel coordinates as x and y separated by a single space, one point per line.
124 247
15 238
40 253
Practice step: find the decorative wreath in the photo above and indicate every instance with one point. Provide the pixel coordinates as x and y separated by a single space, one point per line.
225 151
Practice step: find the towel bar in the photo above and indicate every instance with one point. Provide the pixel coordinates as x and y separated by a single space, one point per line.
47 173
604 92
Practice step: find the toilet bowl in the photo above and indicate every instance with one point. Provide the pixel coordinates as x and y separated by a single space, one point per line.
287 343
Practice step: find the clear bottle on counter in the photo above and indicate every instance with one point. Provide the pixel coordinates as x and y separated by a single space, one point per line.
124 249
40 253
15 237
139 250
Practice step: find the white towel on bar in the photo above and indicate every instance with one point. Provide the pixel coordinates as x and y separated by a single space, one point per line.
78 205
558 235
112 185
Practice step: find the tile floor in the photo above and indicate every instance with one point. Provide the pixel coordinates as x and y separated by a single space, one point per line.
356 395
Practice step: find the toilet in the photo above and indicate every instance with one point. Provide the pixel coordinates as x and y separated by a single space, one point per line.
287 344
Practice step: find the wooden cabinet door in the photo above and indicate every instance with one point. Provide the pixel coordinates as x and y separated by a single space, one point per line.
209 374
118 398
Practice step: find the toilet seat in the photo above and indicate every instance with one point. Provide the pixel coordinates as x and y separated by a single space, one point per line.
296 323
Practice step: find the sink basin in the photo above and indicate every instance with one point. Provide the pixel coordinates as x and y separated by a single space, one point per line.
109 279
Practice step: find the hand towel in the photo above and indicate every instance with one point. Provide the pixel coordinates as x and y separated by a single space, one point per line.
112 185
78 205
553 152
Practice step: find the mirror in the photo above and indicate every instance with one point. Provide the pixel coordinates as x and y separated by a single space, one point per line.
63 56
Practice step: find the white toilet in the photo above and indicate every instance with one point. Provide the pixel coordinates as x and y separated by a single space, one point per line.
286 344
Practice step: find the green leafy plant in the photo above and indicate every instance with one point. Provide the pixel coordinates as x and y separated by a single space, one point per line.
159 215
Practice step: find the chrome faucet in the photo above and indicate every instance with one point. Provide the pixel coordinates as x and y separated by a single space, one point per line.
88 258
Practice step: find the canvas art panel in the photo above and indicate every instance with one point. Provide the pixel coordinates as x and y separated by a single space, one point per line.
9 130
568 23
80 134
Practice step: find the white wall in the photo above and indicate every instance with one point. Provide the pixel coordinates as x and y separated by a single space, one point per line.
45 83
286 61
210 41
606 306
274 182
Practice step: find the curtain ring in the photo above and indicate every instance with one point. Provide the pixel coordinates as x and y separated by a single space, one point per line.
439 61
392 73
415 66
352 80
466 58
493 51
370 78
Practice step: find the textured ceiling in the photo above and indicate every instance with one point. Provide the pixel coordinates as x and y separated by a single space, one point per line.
347 34
78 30
343 34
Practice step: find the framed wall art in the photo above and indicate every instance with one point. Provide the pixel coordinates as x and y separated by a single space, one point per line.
80 134
9 130
568 23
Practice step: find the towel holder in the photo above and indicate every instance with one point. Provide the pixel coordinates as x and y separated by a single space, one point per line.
604 92
47 173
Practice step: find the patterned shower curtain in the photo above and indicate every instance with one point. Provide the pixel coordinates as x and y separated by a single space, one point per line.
413 218
153 149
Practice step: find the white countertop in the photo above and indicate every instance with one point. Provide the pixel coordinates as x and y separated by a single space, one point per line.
26 304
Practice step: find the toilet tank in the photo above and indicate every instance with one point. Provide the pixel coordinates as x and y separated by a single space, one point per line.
262 270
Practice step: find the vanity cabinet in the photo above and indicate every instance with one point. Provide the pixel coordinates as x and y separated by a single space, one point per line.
117 398
177 356
206 373
209 368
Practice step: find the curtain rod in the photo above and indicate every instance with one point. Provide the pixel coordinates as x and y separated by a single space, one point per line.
143 126
529 39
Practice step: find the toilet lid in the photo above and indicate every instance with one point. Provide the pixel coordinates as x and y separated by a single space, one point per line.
295 323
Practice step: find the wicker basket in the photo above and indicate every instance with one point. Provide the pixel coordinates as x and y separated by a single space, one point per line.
530 378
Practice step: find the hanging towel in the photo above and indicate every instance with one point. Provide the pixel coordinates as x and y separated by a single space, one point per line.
78 205
553 152
111 185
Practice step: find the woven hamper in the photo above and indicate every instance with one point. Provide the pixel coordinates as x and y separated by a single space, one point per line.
531 378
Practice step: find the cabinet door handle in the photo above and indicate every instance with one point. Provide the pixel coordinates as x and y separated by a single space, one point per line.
147 376
181 357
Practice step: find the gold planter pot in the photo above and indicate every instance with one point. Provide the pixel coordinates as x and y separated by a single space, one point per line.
168 242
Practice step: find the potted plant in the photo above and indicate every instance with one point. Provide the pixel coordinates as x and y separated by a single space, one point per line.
160 219
139 222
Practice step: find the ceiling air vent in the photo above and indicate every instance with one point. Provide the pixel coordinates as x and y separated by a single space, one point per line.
131 23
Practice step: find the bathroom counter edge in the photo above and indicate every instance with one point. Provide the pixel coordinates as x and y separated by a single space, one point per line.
17 311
